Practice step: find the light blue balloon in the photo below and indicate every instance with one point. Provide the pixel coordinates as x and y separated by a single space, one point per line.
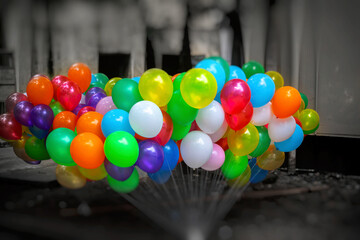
215 69
171 156
236 73
136 79
116 120
93 78
262 89
217 97
293 142
257 174
160 176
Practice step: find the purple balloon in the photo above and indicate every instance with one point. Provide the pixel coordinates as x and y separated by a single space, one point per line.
118 173
78 107
42 116
33 162
93 91
22 113
93 101
151 156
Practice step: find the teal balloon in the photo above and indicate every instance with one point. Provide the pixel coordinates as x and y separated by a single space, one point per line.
264 141
125 94
35 148
58 146
252 67
101 78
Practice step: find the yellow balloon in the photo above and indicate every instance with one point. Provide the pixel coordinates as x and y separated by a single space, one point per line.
110 85
271 159
70 177
94 174
156 86
241 180
244 141
309 119
277 78
198 88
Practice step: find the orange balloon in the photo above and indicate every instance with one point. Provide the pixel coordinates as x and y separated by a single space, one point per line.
87 150
40 90
81 74
90 122
173 77
65 119
286 102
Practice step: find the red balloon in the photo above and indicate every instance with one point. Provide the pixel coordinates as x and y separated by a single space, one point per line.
167 128
10 129
239 120
57 81
223 143
194 127
69 95
85 110
298 122
235 95
14 99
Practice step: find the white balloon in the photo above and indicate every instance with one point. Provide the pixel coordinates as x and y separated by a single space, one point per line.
216 136
210 118
281 129
196 149
146 119
262 115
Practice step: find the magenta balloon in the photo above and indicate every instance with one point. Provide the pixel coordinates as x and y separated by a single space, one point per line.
22 113
104 105
42 116
235 95
10 129
239 120
151 156
69 95
85 110
14 99
57 81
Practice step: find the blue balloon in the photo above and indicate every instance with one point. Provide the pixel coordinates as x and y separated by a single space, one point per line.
171 156
37 132
215 69
236 73
116 120
257 174
160 177
262 89
217 97
136 79
93 78
293 142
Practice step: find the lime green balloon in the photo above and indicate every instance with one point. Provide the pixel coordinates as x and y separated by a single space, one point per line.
179 111
110 84
58 146
244 141
101 78
125 94
233 165
126 186
177 81
305 99
224 64
241 180
56 107
251 68
179 131
312 130
264 141
198 88
277 78
309 119
121 149
155 85
36 149
94 174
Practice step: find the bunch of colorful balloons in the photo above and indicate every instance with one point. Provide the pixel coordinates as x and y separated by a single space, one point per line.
214 116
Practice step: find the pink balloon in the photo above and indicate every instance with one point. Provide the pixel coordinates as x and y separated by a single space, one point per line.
57 81
216 160
235 95
14 99
104 105
69 95
239 120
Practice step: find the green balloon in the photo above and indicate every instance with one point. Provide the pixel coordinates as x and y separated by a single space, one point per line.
177 81
95 84
305 99
35 149
179 131
126 186
264 142
233 166
58 146
251 68
121 149
312 130
56 107
125 94
179 111
101 78
224 64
